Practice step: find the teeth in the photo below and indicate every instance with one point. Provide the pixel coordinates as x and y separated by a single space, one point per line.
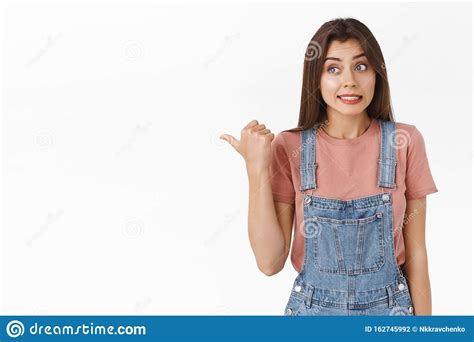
349 98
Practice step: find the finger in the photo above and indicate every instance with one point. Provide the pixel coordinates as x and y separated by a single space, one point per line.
257 128
270 136
251 124
234 142
264 131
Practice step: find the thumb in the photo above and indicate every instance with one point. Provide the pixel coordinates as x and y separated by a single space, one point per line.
231 140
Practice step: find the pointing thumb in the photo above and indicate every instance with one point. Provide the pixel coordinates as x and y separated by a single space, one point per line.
230 139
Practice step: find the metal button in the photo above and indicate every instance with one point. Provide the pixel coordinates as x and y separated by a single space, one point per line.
410 309
297 288
401 287
307 199
385 197
289 311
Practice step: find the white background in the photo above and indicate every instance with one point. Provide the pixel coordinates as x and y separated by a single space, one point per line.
119 198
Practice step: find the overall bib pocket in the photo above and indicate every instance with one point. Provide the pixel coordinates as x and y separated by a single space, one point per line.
349 246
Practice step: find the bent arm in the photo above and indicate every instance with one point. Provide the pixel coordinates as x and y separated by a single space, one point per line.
269 224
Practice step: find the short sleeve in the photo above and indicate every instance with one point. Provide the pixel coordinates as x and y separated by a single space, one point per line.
280 172
418 180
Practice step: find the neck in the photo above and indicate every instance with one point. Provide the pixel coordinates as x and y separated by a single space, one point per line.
347 126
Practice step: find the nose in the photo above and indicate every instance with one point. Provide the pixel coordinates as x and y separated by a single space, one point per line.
348 79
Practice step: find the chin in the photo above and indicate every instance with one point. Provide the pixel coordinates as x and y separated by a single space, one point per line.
351 112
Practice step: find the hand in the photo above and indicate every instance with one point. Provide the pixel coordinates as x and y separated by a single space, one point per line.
254 145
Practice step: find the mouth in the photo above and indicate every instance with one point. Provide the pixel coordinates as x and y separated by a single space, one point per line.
353 99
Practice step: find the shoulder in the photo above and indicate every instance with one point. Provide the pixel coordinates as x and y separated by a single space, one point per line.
287 139
408 129
289 142
408 136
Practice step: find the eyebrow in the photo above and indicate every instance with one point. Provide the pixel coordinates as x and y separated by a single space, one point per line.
340 60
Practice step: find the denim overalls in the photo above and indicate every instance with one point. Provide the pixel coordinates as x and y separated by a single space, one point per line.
349 263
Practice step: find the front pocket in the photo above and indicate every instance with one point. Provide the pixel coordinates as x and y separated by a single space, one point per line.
349 246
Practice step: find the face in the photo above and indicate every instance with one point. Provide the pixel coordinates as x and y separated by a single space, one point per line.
347 71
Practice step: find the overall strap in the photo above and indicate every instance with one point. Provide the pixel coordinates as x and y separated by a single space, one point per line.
308 159
387 160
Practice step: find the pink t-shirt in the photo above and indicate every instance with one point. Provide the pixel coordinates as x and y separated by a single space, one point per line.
348 169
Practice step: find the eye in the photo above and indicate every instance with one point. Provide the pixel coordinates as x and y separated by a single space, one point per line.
365 66
359 67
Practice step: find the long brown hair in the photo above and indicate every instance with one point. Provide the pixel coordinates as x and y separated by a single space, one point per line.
312 107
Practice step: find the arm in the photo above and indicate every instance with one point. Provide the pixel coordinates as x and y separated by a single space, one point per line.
416 265
269 225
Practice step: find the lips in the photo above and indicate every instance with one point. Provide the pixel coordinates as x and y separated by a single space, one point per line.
350 99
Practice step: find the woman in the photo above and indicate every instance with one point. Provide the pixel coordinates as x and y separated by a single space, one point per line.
354 181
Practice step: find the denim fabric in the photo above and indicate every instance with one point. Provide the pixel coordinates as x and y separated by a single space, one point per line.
349 266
